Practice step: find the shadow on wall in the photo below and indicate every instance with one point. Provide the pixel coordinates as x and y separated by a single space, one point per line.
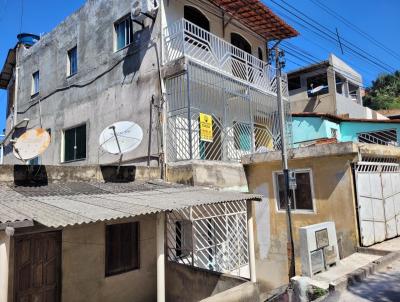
137 50
33 176
125 173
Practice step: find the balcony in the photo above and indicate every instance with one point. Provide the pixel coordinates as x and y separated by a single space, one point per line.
185 39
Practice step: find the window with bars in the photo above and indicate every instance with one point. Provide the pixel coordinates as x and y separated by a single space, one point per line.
301 197
122 248
75 143
72 61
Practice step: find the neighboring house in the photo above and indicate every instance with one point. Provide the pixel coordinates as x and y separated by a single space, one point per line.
70 234
393 114
354 185
311 128
331 87
194 61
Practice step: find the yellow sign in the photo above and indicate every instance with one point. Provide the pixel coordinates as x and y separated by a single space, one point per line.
206 128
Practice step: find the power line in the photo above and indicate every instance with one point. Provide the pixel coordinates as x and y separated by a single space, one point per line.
22 16
329 35
356 28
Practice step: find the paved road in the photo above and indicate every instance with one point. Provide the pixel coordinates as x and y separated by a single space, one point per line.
380 287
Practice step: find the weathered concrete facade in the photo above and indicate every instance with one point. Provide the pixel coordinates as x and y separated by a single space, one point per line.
83 265
333 189
111 85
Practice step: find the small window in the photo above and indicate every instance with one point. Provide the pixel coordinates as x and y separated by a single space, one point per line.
122 248
301 197
72 61
183 240
75 143
124 33
35 83
334 133
294 83
260 54
242 136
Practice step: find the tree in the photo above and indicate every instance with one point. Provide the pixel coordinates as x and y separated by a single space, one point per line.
384 92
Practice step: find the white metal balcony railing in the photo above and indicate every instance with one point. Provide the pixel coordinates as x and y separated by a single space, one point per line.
185 39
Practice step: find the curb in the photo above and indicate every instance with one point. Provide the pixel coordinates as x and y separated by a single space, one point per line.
360 274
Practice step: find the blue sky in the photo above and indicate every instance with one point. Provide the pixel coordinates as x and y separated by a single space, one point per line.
378 19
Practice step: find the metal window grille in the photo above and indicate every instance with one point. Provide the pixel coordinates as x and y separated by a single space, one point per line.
245 119
383 137
212 237
378 164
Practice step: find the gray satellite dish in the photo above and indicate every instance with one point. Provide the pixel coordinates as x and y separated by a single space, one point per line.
31 144
121 137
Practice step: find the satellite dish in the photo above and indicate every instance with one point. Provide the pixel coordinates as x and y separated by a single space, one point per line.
317 89
31 144
121 137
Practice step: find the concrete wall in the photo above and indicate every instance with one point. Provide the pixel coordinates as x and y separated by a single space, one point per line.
333 190
312 128
226 176
83 266
110 85
325 103
349 130
186 284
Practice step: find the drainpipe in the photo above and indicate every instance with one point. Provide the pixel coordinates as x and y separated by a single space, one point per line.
160 233
250 235
15 118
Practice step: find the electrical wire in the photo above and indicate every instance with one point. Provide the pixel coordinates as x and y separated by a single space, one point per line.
356 29
329 35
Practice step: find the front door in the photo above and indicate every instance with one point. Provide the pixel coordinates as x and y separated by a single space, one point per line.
37 267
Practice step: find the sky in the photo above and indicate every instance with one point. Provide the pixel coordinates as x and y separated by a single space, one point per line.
378 43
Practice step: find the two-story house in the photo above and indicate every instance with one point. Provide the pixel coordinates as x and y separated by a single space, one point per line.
332 87
193 60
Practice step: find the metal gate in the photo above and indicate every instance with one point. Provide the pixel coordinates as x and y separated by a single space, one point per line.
378 197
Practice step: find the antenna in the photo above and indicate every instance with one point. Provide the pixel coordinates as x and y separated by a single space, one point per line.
31 144
120 138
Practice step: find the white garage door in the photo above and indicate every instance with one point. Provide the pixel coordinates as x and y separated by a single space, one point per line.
378 196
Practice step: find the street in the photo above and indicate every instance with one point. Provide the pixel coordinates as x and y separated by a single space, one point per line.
380 287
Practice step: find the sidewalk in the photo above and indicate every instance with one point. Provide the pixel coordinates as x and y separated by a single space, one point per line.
392 245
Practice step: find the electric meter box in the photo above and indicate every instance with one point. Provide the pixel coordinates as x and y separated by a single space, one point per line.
318 248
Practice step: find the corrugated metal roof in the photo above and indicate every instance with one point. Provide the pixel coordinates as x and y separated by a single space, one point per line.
65 204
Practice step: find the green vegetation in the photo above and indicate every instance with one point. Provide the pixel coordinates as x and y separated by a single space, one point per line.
384 92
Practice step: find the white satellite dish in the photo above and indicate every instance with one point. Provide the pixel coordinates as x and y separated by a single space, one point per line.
317 89
121 137
31 144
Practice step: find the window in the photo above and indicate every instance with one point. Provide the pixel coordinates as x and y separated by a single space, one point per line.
183 240
122 248
124 32
301 197
260 54
294 83
72 61
195 16
35 83
320 80
240 42
334 133
242 136
75 143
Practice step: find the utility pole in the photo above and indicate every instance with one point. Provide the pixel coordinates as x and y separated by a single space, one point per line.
281 111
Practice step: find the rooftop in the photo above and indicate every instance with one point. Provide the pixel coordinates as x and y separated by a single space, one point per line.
258 17
67 203
338 119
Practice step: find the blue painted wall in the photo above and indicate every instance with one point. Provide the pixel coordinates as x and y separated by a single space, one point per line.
313 128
